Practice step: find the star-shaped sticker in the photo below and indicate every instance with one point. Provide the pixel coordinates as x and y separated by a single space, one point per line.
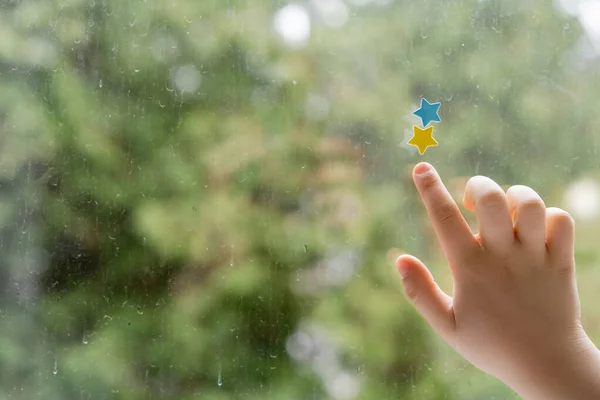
428 112
423 138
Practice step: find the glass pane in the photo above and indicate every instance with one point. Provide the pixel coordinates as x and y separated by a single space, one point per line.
204 199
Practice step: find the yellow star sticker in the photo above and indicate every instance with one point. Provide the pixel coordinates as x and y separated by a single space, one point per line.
422 139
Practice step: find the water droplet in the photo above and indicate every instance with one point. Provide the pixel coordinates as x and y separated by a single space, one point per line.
84 340
55 368
100 83
140 311
294 82
220 380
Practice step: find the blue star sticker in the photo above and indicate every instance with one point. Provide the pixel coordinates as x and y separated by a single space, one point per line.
428 112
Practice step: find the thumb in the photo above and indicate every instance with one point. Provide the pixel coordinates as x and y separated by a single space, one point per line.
431 302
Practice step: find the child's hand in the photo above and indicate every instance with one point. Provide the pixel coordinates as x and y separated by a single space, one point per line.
515 309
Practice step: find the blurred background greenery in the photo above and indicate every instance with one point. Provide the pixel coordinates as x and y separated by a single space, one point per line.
203 199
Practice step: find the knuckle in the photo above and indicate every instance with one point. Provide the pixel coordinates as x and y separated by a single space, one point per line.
562 216
444 211
533 205
413 292
491 198
429 183
525 198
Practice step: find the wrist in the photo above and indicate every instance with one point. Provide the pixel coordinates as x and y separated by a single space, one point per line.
568 372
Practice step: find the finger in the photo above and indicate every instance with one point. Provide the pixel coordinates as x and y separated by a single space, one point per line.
489 202
429 300
529 216
451 229
560 236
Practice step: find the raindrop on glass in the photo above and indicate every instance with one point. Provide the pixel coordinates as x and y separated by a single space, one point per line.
55 368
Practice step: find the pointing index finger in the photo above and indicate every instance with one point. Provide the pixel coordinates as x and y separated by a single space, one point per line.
451 229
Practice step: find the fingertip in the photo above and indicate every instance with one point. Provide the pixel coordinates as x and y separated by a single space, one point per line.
467 201
404 265
482 189
420 288
422 168
561 216
560 233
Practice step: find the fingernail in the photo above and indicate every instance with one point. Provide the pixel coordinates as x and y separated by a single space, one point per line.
404 267
422 168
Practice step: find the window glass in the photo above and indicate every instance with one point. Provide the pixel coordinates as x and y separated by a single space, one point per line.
204 199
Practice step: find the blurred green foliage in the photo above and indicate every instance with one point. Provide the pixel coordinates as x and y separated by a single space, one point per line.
163 243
